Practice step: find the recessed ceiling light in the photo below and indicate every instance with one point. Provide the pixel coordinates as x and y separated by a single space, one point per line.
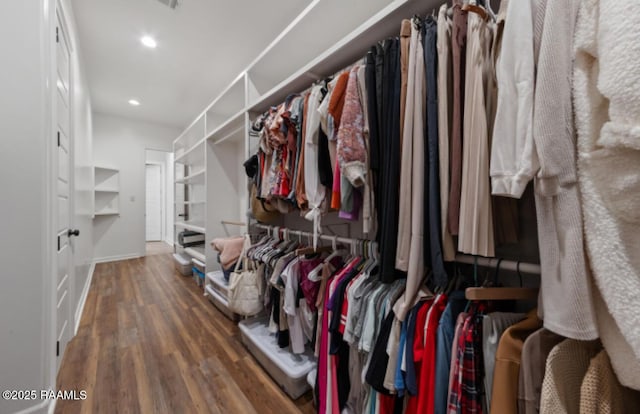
148 41
134 102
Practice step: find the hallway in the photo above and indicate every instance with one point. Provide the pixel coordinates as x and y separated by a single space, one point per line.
150 342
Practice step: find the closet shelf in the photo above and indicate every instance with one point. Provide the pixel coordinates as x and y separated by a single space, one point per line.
191 225
106 169
107 213
107 190
189 203
230 129
196 252
192 134
195 178
344 52
193 155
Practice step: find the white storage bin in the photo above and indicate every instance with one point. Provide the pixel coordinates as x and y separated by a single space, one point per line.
220 302
182 264
198 271
216 279
311 377
289 370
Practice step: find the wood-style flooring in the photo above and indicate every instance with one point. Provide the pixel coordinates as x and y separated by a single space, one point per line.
150 342
153 248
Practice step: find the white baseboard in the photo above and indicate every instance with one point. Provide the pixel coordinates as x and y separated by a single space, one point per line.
169 242
117 258
83 298
46 406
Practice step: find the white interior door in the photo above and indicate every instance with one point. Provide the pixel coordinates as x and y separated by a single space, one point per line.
64 191
154 202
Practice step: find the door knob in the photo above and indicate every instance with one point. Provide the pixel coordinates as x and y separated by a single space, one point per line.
75 232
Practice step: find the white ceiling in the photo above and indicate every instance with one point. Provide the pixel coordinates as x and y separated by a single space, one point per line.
202 46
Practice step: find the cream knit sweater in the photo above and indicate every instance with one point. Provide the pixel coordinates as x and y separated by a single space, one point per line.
565 286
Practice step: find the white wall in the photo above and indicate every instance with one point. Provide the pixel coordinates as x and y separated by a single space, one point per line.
27 357
165 159
83 175
24 125
121 143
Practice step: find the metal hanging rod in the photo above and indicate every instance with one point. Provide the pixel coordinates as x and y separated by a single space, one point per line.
509 265
300 233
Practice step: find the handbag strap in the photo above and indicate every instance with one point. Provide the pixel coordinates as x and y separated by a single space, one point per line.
243 255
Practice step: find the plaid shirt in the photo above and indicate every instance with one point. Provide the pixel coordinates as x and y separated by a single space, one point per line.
466 390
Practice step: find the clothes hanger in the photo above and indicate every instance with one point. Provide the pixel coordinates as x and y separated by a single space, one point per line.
500 293
316 274
471 6
492 14
310 250
337 250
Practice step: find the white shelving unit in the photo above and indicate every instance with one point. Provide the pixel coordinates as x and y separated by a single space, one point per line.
196 252
106 191
195 178
190 187
211 151
196 226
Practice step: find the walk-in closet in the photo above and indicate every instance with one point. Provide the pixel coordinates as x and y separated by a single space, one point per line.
323 206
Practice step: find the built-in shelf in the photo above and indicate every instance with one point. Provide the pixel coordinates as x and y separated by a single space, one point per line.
191 225
195 178
338 55
232 128
193 155
191 136
107 213
107 169
189 203
196 252
106 191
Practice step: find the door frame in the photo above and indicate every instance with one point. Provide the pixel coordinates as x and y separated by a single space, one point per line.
163 199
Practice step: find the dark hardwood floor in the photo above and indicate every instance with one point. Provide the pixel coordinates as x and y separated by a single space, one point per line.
150 342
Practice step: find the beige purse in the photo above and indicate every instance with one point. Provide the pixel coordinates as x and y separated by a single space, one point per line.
246 286
262 211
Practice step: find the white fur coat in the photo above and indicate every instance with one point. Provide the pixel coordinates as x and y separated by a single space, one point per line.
607 113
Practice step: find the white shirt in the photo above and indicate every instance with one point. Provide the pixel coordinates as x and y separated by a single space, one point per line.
514 160
315 191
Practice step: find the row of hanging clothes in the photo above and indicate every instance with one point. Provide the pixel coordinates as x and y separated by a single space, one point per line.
296 274
421 140
458 350
382 142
